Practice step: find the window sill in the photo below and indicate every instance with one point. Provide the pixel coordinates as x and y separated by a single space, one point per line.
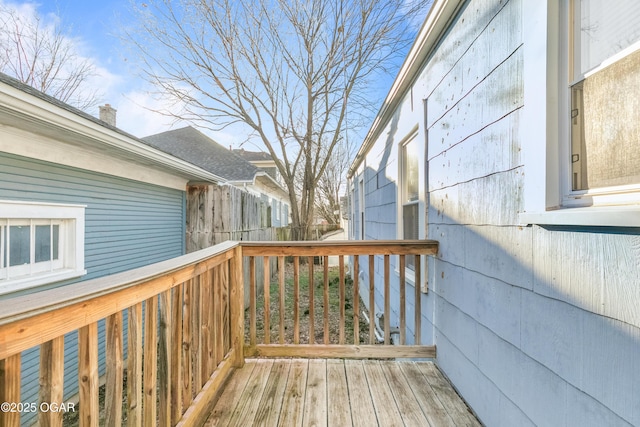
609 216
14 285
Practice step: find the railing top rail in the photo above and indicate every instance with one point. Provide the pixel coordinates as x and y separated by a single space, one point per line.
341 247
29 305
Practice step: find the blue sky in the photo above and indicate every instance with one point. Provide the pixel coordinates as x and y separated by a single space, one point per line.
94 27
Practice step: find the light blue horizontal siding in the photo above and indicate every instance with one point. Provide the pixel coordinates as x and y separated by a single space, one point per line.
128 224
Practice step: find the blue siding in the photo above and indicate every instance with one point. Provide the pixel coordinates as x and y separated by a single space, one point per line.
128 224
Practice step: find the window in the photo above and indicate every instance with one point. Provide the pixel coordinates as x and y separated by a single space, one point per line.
39 243
579 131
410 193
604 72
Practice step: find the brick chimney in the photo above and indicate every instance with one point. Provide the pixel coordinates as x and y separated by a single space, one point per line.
108 114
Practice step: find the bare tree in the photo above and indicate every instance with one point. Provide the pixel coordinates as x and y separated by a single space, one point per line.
42 56
331 185
287 70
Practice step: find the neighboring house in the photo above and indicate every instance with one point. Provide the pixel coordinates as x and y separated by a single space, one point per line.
511 136
79 199
195 147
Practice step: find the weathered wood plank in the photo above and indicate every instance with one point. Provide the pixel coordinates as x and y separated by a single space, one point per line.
431 405
196 335
270 404
150 361
294 397
339 413
341 351
228 401
52 380
88 379
340 247
236 298
362 410
114 375
164 359
198 412
134 365
315 400
10 388
386 409
410 407
249 400
186 368
452 403
176 354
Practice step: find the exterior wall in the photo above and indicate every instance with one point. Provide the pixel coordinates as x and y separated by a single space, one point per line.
533 325
128 224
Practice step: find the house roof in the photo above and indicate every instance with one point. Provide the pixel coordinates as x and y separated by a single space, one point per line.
195 147
435 24
23 107
253 156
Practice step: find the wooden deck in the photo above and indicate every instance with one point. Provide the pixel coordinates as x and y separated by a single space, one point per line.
333 392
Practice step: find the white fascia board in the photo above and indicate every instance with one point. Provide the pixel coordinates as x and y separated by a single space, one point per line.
437 20
26 106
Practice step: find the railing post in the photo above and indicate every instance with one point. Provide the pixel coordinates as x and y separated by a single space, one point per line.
236 295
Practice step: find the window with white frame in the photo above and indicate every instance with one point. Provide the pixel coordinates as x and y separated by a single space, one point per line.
410 192
604 84
39 243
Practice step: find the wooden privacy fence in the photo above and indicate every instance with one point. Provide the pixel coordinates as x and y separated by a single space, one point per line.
184 332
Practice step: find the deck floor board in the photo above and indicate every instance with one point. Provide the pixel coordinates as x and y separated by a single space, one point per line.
333 392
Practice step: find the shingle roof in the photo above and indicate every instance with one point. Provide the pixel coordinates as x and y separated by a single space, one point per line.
194 147
252 156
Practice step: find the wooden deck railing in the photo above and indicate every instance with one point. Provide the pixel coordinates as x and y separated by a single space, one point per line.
180 324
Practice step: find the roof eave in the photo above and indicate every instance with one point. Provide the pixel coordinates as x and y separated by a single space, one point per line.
439 16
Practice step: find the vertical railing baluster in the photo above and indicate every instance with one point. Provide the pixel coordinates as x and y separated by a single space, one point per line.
52 379
10 388
114 380
236 296
252 301
296 300
417 303
267 301
176 353
186 345
403 308
134 366
326 299
196 332
281 297
341 334
164 360
312 317
372 302
150 361
88 379
387 302
356 301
